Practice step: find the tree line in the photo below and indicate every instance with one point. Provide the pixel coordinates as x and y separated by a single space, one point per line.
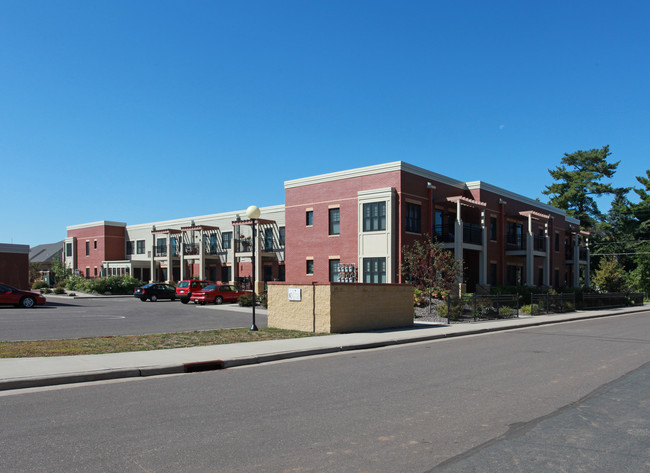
620 237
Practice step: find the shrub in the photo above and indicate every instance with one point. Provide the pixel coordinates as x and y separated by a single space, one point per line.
530 309
246 300
59 290
506 311
40 284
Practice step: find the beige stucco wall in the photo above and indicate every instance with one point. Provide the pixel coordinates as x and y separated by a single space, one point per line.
336 308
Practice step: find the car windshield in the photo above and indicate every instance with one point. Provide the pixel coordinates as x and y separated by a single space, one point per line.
209 288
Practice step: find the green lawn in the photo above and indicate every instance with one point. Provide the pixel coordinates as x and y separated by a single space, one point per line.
117 344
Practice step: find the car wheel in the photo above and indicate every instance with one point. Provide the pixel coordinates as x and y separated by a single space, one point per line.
143 299
154 298
28 302
202 303
218 300
185 301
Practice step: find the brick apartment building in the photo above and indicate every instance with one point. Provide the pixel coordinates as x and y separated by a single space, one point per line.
354 224
349 226
215 247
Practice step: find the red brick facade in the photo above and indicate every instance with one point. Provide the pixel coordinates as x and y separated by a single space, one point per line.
506 239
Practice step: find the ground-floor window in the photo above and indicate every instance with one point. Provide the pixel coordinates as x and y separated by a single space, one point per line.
335 270
374 270
493 274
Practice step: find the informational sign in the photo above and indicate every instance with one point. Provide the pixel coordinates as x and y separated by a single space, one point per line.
294 294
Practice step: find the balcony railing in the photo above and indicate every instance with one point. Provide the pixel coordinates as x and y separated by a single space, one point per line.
539 243
160 251
472 233
515 241
444 233
582 253
191 249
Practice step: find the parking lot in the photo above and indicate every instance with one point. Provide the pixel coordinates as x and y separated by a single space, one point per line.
66 317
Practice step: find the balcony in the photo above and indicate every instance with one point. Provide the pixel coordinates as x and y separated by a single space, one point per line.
444 233
515 241
539 243
472 233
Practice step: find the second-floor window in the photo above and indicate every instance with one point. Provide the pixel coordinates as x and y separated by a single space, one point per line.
374 216
129 247
413 218
493 228
139 247
309 218
281 230
226 240
335 221
268 239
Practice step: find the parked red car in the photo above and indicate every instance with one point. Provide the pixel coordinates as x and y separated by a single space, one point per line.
19 298
185 289
217 294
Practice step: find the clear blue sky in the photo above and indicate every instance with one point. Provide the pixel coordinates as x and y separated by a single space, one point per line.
138 111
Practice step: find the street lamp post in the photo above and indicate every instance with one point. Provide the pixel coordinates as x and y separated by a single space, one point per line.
253 212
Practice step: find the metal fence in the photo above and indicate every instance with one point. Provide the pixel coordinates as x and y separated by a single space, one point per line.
552 303
611 299
482 307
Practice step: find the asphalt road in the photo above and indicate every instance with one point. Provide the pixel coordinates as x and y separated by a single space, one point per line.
64 317
575 391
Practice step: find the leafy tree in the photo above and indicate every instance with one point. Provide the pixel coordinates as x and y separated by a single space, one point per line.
430 267
578 180
34 272
60 271
610 276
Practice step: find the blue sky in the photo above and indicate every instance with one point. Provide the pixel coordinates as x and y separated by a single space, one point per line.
138 111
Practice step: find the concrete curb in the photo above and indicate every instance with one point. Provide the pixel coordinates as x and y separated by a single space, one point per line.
218 364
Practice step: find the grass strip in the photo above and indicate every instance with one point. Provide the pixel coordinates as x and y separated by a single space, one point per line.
119 344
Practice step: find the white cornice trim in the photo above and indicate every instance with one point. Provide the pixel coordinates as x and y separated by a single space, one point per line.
376 169
100 223
205 218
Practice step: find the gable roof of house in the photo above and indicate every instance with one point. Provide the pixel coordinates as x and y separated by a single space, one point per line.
45 253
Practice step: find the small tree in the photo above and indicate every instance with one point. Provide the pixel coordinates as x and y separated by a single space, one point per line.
610 276
60 271
430 267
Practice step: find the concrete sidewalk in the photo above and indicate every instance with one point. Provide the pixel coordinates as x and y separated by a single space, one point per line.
17 373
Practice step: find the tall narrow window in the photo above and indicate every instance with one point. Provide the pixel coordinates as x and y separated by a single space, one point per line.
493 228
335 221
335 270
413 218
309 218
281 230
88 253
374 216
374 270
129 247
226 240
268 239
310 266
139 244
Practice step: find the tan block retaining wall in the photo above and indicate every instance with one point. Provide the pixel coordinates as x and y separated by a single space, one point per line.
340 307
